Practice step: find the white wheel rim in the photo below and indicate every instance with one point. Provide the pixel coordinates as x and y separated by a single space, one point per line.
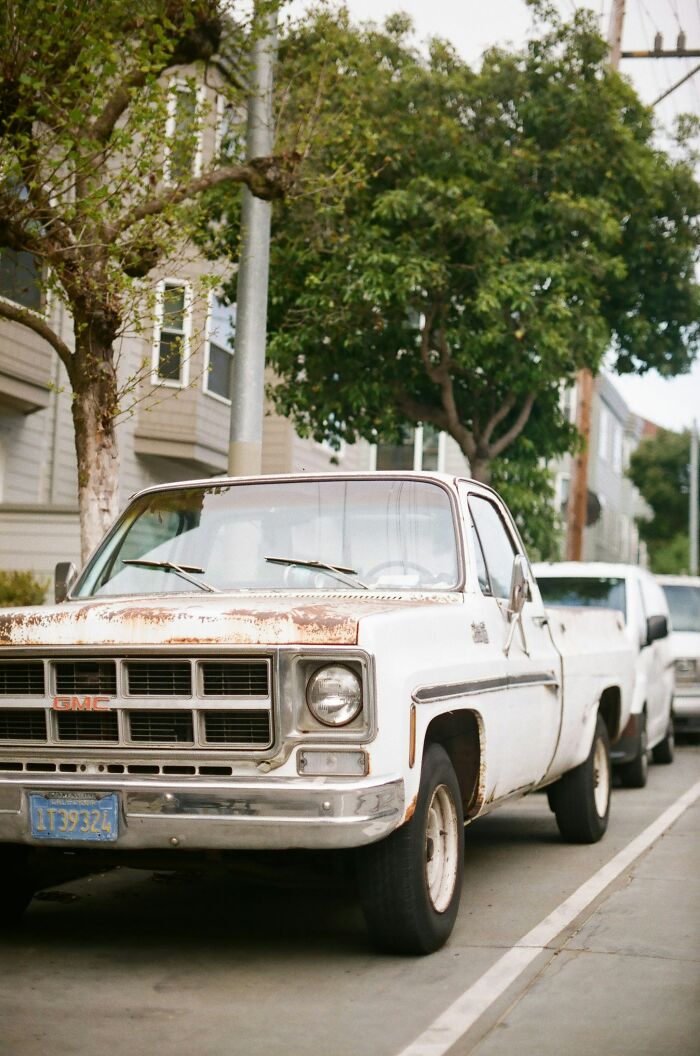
601 778
441 849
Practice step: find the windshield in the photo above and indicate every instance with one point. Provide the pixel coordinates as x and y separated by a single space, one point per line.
345 534
684 603
598 592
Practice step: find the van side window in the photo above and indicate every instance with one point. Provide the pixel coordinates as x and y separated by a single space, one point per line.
495 544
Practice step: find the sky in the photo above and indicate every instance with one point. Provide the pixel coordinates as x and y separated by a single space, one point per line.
472 26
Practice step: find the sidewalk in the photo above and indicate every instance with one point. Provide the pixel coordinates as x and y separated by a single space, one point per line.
628 983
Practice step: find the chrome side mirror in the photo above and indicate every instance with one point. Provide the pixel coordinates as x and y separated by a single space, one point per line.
519 587
65 575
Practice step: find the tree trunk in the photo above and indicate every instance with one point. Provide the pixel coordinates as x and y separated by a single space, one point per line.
95 403
481 469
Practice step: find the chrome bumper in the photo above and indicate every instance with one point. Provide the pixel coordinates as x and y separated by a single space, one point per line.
686 711
268 814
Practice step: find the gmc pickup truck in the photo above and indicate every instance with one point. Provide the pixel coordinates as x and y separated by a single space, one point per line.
334 661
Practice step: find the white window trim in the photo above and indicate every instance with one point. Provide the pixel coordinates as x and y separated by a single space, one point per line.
603 434
226 400
186 339
176 85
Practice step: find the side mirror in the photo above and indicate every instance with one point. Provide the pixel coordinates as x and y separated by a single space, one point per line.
657 627
519 587
65 575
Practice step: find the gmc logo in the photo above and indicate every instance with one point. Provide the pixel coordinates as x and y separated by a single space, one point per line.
80 704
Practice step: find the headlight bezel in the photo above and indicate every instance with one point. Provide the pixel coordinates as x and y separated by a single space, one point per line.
339 670
296 720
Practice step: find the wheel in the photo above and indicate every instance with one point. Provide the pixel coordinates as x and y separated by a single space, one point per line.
635 773
580 798
16 884
410 883
663 751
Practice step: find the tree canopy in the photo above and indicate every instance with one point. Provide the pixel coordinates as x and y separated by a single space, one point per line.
102 111
659 468
461 242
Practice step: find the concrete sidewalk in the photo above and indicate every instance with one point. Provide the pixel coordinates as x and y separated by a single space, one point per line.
628 982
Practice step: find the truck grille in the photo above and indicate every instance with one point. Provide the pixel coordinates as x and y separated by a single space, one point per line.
205 704
20 678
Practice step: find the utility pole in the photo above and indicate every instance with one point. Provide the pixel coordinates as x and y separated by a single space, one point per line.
578 491
693 517
248 369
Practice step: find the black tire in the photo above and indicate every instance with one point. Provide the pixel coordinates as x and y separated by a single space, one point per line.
393 875
17 884
580 798
663 752
635 773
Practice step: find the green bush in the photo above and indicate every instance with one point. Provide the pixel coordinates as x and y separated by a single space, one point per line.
21 588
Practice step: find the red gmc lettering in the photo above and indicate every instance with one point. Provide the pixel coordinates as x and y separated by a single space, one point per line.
80 703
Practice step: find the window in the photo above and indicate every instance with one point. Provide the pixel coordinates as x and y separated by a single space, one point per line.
230 132
597 592
562 484
498 550
617 439
422 448
20 279
222 327
183 133
172 334
603 433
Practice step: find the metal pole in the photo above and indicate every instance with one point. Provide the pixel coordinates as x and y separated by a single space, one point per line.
693 517
248 373
578 491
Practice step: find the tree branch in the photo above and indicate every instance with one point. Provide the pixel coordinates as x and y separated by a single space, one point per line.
267 178
498 416
16 314
516 428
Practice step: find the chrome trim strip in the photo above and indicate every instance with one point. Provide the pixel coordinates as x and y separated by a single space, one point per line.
433 694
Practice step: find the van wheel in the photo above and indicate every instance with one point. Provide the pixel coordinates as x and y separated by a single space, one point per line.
663 751
635 773
580 798
410 883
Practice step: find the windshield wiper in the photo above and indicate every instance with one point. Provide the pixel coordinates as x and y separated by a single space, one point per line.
170 566
343 574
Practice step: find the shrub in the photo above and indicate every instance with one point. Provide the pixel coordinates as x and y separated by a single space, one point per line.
21 588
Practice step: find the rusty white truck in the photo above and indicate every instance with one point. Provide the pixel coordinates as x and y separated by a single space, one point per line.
319 661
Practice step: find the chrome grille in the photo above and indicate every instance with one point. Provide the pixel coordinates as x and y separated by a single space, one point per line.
235 678
153 678
87 726
86 676
237 727
20 678
27 725
161 727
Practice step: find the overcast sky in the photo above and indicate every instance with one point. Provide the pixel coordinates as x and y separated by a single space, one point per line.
474 25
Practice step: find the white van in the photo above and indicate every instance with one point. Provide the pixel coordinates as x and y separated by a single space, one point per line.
634 592
683 597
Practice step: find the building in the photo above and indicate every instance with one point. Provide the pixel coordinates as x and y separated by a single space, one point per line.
614 503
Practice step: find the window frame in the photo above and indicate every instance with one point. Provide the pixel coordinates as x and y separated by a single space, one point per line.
510 535
226 400
179 84
161 287
44 294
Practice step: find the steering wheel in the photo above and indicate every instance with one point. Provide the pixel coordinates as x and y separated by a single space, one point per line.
424 573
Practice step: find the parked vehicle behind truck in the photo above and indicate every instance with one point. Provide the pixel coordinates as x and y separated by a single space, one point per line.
683 597
635 594
333 661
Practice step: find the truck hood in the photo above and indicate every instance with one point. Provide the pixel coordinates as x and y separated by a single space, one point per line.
222 619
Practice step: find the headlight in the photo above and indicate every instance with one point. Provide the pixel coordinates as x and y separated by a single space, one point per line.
334 695
686 669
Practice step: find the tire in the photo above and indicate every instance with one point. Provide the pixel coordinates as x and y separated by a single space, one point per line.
17 885
580 798
663 751
635 773
410 883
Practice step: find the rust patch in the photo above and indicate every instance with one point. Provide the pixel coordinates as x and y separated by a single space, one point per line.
410 809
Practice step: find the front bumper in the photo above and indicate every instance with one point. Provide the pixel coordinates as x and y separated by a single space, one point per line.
686 712
268 814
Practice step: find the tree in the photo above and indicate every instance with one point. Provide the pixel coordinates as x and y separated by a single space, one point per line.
97 142
660 469
461 243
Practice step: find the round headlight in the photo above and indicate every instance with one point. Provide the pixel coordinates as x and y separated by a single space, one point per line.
334 695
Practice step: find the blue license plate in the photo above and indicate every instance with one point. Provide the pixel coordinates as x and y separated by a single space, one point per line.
78 816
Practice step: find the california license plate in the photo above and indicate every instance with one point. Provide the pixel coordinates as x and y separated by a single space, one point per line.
85 817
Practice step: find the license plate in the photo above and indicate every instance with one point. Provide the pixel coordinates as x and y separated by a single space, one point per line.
85 817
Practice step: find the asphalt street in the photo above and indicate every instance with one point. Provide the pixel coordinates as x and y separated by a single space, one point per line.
275 958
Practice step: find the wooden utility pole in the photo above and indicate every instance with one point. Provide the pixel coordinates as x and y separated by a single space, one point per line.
578 491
